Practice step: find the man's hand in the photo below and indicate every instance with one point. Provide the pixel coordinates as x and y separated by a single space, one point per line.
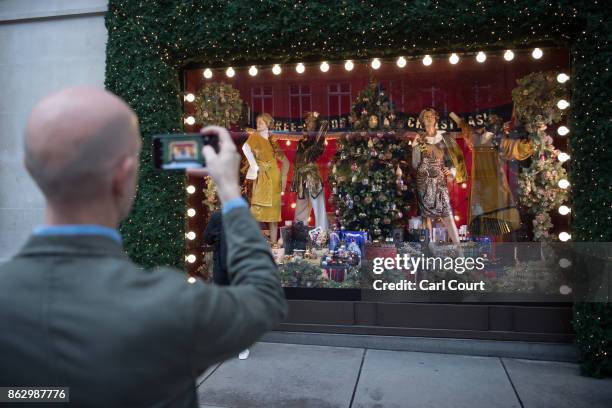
447 172
223 166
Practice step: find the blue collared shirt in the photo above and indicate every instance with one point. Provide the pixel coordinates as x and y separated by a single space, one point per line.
78 229
234 203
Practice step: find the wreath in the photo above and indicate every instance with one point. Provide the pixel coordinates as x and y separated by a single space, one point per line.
219 104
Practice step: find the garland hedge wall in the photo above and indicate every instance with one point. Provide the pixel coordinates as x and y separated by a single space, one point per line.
150 41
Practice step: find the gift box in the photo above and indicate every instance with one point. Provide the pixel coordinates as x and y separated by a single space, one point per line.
360 237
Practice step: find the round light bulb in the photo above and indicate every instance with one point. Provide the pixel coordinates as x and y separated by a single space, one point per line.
456 218
564 236
293 205
565 290
191 235
288 142
191 189
375 63
562 104
190 120
191 258
562 130
508 55
401 62
565 263
207 73
537 53
190 97
191 212
453 59
563 157
191 279
563 183
348 65
253 70
300 68
427 60
230 72
564 210
562 78
276 69
324 66
481 57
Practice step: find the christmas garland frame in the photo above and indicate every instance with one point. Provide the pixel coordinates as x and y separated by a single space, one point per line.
150 42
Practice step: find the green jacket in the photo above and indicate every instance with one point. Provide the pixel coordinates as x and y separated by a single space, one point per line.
76 312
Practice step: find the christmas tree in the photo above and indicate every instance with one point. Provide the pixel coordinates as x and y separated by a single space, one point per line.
370 179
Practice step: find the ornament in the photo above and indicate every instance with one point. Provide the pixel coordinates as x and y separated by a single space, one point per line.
354 166
386 123
370 143
354 178
373 122
362 215
373 153
387 221
365 181
377 231
398 171
368 199
349 202
399 215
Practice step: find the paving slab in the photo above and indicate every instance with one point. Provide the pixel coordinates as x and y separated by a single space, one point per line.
285 375
206 373
554 384
399 379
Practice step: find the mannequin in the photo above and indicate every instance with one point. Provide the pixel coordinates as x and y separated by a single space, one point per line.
268 181
307 180
431 157
492 207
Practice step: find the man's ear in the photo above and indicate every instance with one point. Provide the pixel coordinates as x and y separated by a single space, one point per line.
123 172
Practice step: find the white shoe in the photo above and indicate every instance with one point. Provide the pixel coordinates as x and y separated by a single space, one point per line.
244 354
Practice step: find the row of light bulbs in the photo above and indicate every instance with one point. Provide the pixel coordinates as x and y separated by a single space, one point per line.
376 63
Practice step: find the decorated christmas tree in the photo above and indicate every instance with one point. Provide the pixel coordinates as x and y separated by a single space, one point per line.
370 171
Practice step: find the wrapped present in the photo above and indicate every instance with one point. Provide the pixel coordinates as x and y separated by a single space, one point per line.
415 223
359 237
440 234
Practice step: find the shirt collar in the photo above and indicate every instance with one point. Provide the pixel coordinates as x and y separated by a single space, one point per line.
435 139
78 229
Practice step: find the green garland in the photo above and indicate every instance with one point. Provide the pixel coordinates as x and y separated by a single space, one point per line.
150 41
535 103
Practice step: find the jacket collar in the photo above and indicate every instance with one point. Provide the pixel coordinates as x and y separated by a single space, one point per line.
76 245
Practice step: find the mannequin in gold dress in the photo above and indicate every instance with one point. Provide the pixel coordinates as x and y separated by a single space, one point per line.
269 182
493 210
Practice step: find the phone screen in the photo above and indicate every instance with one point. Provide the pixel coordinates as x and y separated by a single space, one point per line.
179 151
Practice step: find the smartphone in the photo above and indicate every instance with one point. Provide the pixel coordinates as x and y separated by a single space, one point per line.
181 151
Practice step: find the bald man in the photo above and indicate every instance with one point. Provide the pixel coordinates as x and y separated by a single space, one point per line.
76 312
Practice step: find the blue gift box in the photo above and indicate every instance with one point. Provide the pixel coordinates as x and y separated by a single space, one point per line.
360 237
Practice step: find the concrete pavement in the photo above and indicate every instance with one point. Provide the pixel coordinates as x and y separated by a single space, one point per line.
289 375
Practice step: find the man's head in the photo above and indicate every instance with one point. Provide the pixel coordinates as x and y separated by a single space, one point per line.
81 148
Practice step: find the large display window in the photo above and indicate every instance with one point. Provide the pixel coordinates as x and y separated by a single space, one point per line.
350 163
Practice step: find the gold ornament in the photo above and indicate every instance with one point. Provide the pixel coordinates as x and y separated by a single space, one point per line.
373 122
